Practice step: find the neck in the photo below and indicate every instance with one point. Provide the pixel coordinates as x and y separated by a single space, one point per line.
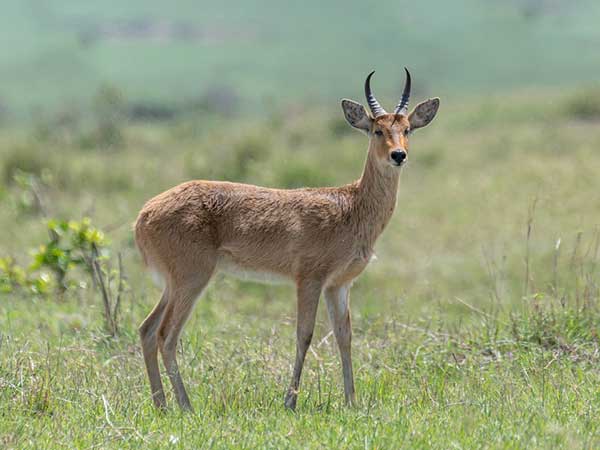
376 195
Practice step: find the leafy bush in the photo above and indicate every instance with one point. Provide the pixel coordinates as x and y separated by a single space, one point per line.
72 244
585 104
12 275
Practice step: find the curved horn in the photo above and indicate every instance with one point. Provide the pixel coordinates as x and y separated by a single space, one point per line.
374 105
402 107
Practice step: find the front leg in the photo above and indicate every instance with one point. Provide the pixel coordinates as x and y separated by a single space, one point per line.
308 293
338 306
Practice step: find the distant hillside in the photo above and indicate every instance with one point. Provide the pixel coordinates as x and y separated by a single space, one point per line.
271 52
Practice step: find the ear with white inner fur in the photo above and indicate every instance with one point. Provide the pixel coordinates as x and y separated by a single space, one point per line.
423 113
356 115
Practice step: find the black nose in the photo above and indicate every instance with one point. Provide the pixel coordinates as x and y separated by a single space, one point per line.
398 155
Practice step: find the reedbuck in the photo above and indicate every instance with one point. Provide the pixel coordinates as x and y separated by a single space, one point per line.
320 239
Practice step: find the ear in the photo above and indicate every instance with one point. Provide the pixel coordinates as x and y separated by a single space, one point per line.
356 115
423 113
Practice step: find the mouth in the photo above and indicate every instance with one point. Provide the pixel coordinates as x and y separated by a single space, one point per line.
397 164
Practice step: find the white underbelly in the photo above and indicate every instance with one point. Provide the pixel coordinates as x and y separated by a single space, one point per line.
229 267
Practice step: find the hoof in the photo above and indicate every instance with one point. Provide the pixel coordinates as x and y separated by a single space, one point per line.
290 399
186 407
160 403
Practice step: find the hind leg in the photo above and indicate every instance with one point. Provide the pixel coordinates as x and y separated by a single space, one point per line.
308 293
182 297
148 330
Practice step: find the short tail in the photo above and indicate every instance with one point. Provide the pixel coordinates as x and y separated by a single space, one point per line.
138 242
157 277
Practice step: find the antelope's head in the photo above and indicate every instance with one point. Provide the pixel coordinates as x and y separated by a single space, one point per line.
388 132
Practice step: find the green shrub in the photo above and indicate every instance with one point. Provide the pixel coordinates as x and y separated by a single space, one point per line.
71 244
585 104
12 276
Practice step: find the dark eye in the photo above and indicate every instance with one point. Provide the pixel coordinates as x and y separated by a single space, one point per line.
406 132
379 132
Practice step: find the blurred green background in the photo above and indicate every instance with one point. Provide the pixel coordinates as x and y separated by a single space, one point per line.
265 53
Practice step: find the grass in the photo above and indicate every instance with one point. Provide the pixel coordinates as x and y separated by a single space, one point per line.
419 388
470 331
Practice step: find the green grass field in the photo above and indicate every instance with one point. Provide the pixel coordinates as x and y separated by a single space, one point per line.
477 326
470 331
